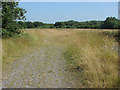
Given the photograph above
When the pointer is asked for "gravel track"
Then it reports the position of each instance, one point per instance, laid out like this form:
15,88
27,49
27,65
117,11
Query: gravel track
45,67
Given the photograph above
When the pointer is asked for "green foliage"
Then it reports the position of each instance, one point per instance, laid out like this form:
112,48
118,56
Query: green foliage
111,23
10,14
35,25
29,25
13,20
76,24
22,25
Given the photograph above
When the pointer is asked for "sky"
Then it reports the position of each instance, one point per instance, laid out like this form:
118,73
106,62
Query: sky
51,12
69,0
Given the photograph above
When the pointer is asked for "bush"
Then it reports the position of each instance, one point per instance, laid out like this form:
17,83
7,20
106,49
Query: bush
6,33
10,14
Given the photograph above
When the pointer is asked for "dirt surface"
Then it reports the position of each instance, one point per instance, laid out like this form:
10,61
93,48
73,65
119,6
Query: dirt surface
45,67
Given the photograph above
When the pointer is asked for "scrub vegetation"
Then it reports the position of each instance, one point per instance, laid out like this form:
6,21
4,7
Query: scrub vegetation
72,53
91,56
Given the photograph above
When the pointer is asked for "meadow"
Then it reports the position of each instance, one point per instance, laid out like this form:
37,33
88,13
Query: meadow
91,55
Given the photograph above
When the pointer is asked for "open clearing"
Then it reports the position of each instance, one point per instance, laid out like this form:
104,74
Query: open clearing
60,59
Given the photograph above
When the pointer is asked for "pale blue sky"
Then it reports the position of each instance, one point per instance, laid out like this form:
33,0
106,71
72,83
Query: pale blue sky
51,12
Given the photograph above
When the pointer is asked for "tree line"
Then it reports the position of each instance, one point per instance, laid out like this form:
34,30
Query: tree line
13,20
109,23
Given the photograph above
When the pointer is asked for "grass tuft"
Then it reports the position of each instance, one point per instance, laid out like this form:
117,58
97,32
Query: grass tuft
93,54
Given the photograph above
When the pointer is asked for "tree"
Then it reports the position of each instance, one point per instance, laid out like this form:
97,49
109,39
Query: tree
22,24
11,13
59,24
111,23
37,24
30,24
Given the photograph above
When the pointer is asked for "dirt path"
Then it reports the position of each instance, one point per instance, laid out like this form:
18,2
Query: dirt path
43,68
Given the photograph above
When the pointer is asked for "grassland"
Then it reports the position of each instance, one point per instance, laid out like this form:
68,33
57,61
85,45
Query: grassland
90,55
14,48
94,55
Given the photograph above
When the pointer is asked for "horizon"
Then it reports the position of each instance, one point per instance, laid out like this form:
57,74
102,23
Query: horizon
51,12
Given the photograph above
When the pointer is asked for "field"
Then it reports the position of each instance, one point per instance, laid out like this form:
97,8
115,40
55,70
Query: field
61,58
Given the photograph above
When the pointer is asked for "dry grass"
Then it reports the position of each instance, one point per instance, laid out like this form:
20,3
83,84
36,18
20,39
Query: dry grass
15,48
88,51
93,53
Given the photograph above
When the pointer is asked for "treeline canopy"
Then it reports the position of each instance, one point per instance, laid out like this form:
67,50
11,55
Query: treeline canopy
34,25
109,23
13,20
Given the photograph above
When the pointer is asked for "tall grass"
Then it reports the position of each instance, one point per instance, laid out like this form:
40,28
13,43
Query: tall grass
14,48
92,54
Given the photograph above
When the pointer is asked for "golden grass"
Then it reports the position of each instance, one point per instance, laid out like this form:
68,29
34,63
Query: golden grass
94,53
15,48
88,50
